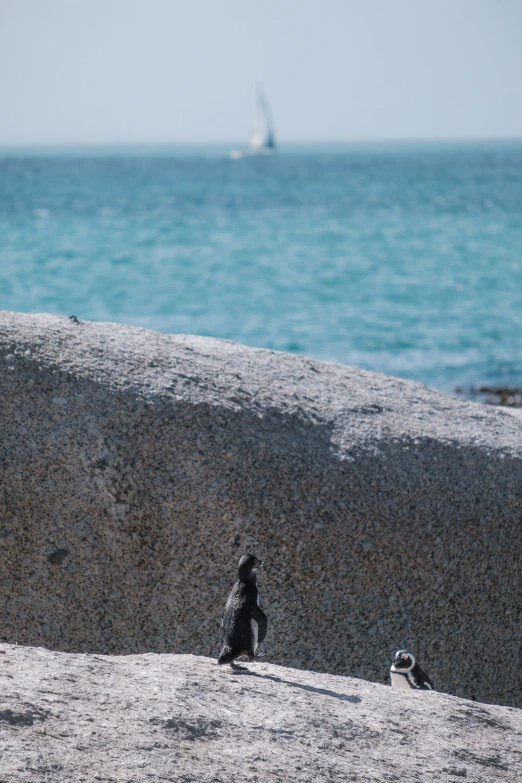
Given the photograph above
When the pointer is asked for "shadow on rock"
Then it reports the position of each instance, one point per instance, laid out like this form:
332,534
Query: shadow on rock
321,691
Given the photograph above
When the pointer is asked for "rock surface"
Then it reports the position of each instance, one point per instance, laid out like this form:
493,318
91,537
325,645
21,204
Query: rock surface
73,718
135,468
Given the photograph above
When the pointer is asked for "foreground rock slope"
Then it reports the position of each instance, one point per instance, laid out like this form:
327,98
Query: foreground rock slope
135,468
82,718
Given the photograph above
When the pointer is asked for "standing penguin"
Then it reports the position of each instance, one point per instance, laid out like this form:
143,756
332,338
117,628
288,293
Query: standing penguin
405,672
244,623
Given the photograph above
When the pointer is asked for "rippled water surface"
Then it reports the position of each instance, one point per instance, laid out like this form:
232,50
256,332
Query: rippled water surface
401,259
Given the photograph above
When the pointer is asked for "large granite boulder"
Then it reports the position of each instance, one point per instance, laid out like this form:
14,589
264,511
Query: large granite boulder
136,467
178,718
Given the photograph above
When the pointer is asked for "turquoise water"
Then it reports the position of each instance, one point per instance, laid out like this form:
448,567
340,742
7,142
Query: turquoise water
405,259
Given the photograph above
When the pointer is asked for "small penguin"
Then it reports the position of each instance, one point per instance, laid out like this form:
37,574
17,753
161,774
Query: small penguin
405,672
244,623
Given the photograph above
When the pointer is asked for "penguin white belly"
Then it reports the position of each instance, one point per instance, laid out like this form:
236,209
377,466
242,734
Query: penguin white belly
253,626
400,681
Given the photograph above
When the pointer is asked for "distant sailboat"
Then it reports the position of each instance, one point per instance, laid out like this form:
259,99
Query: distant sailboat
262,138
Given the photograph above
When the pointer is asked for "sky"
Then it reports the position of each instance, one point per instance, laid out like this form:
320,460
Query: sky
177,71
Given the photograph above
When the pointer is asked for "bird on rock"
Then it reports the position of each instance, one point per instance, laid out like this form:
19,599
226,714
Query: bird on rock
406,673
244,623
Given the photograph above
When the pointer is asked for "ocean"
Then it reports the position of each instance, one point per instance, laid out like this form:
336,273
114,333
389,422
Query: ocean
401,258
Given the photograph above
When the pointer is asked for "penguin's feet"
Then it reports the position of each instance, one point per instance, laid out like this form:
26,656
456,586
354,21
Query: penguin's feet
236,668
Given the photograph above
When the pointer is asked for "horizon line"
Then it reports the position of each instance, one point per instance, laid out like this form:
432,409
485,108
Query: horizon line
238,144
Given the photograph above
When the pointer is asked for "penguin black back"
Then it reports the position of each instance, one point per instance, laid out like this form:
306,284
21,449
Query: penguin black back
244,623
406,673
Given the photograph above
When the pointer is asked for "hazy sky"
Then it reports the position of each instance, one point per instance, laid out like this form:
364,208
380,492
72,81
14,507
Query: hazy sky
110,71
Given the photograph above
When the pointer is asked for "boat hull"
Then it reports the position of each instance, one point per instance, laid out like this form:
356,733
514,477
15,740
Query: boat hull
251,152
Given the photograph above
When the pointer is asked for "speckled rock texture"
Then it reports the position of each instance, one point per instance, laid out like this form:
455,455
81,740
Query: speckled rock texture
137,467
153,718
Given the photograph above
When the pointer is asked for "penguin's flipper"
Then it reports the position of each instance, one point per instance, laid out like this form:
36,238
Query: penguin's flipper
262,623
427,685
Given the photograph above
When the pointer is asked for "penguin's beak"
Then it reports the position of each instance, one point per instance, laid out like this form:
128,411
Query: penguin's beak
259,564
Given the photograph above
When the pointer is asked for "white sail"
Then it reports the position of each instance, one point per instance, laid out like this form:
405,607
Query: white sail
269,140
262,138
257,137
